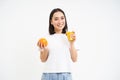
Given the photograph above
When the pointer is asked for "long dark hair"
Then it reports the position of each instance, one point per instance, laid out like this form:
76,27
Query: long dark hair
51,27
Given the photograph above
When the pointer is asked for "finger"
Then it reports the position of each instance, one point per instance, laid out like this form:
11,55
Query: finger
74,37
41,45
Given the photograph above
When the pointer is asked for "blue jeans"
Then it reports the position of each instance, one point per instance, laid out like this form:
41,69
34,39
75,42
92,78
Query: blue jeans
56,76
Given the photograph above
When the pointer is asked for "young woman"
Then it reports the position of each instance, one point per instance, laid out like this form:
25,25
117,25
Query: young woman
60,52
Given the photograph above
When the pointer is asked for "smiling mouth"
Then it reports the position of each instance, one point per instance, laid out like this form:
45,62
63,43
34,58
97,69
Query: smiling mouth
60,25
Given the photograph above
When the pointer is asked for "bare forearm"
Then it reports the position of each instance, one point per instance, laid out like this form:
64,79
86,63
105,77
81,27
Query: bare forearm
44,55
73,52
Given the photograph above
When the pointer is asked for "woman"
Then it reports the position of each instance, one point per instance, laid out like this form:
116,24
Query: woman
60,52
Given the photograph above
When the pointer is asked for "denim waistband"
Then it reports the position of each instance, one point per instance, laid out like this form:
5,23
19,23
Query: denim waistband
57,76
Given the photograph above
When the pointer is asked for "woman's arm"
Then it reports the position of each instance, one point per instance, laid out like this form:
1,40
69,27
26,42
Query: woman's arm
44,54
73,52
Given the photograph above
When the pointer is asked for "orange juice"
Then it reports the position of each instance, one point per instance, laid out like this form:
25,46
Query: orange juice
69,33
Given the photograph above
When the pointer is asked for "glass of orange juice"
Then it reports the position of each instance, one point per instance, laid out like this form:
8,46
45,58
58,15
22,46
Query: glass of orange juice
69,33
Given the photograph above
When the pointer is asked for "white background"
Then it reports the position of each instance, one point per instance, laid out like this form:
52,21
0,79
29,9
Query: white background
97,26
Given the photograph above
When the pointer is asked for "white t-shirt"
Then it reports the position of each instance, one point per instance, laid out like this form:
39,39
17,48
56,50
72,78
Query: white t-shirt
59,59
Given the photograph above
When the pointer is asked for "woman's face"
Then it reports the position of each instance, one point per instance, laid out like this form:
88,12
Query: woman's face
58,21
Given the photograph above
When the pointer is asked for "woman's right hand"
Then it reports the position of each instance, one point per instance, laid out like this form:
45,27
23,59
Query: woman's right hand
40,45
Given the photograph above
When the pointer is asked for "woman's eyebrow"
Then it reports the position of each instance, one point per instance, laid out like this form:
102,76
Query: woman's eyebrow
58,17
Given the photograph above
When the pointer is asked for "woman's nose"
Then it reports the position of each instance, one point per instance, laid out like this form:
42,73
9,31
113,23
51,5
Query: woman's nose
59,20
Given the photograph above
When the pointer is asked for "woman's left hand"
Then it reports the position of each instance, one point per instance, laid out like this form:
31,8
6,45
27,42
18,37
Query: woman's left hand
73,36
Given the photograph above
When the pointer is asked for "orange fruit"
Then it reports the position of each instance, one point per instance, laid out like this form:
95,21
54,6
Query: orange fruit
43,41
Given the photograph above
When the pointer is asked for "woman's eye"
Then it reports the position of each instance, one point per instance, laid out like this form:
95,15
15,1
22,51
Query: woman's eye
59,18
62,18
55,19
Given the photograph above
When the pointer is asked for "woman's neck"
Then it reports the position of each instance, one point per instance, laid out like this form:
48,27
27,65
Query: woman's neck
58,32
